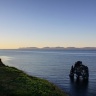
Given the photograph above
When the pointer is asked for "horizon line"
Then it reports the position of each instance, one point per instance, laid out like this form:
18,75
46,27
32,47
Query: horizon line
50,48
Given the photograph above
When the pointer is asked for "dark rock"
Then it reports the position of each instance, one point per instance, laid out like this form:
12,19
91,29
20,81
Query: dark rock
1,63
79,70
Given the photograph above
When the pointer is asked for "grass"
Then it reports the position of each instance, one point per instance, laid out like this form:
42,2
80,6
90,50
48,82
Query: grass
14,82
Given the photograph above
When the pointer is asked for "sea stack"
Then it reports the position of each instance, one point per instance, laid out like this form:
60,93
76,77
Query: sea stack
79,70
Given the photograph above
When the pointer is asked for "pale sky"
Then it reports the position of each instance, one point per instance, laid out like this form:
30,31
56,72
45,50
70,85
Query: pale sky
41,23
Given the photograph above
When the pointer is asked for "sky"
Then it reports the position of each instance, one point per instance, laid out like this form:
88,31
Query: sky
47,23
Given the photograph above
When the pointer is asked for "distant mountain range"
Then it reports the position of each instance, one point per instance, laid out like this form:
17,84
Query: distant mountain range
57,48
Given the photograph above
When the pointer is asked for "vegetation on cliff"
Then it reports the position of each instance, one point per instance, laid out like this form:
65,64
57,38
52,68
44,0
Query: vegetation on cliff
14,82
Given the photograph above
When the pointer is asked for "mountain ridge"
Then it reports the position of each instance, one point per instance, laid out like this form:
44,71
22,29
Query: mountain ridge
58,48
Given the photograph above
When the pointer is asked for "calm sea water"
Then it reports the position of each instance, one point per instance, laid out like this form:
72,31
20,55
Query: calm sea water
55,66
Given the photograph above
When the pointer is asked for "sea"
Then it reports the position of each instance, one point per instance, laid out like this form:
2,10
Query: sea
54,66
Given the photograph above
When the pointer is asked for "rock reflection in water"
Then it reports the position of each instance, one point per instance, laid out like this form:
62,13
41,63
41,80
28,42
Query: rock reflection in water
78,87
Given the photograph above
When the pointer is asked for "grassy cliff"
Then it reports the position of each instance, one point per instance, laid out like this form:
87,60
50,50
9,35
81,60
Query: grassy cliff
14,82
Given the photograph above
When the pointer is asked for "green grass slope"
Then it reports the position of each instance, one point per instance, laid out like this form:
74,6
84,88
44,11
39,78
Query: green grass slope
14,82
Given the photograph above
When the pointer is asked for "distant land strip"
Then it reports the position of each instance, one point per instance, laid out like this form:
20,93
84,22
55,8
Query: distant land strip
57,48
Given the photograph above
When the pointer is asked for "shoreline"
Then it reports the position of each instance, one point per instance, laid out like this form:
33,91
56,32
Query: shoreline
15,82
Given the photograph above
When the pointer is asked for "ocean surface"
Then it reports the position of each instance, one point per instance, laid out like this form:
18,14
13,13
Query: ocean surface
55,67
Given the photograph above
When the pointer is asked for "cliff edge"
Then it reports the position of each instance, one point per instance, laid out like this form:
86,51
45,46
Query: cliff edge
14,82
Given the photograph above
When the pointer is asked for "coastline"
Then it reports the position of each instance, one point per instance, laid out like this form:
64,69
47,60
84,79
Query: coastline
14,82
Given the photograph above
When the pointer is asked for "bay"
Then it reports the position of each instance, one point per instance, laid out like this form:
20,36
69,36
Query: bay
55,66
